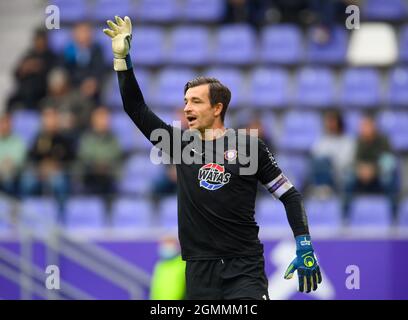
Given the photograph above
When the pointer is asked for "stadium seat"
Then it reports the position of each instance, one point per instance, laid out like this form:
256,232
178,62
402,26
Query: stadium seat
360,88
281,44
385,10
270,212
234,80
295,167
168,212
370,211
403,44
403,213
158,11
170,85
269,88
39,214
202,10
59,38
324,212
300,130
148,45
394,124
189,45
131,213
316,88
103,10
352,121
5,215
85,213
235,44
71,11
332,52
397,93
26,124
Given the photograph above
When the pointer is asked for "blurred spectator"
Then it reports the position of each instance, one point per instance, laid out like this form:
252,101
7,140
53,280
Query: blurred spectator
168,279
84,60
165,183
256,123
245,11
31,73
99,155
332,155
374,165
12,157
73,107
51,157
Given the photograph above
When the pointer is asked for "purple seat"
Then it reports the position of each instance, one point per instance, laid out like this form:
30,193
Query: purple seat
235,44
300,131
397,94
269,88
324,213
394,124
170,84
295,167
161,11
370,211
316,88
71,11
168,212
270,212
26,124
203,10
131,213
85,213
234,80
332,52
281,44
103,10
148,45
403,44
189,45
385,9
360,88
58,39
403,213
39,214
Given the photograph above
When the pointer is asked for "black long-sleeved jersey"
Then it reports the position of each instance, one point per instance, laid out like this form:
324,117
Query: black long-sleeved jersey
216,203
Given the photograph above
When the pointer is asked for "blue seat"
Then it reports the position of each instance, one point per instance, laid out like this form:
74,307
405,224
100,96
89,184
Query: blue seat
168,212
360,88
71,11
403,44
170,84
85,213
295,167
189,45
59,38
203,10
394,124
270,212
148,46
39,214
370,211
316,88
234,80
26,124
281,44
159,11
324,213
397,94
385,9
300,130
235,44
332,52
403,213
131,213
269,88
103,10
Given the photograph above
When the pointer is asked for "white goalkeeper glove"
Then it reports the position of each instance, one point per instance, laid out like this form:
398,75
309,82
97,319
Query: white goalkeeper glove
121,34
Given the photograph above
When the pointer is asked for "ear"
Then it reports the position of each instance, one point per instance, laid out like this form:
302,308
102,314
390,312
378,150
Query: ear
218,109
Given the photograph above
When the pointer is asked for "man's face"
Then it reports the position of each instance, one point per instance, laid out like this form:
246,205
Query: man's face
198,111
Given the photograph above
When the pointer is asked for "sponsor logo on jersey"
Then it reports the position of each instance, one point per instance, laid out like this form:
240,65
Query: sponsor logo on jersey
230,155
212,176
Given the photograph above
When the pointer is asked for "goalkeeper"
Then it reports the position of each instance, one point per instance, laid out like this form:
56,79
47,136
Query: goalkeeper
216,204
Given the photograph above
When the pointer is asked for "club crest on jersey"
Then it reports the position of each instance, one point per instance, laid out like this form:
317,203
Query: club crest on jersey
212,176
230,155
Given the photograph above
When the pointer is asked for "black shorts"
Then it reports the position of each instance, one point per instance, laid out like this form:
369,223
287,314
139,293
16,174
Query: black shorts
227,279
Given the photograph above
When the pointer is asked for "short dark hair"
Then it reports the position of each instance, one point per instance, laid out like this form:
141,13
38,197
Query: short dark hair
217,91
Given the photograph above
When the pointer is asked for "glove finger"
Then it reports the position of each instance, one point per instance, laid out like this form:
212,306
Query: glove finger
314,280
128,24
109,32
301,277
112,25
290,271
119,21
318,275
308,283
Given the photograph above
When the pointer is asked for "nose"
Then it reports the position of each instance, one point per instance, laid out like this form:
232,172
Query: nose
187,107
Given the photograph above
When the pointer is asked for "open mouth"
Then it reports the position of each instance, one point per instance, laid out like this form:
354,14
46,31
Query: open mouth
191,119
